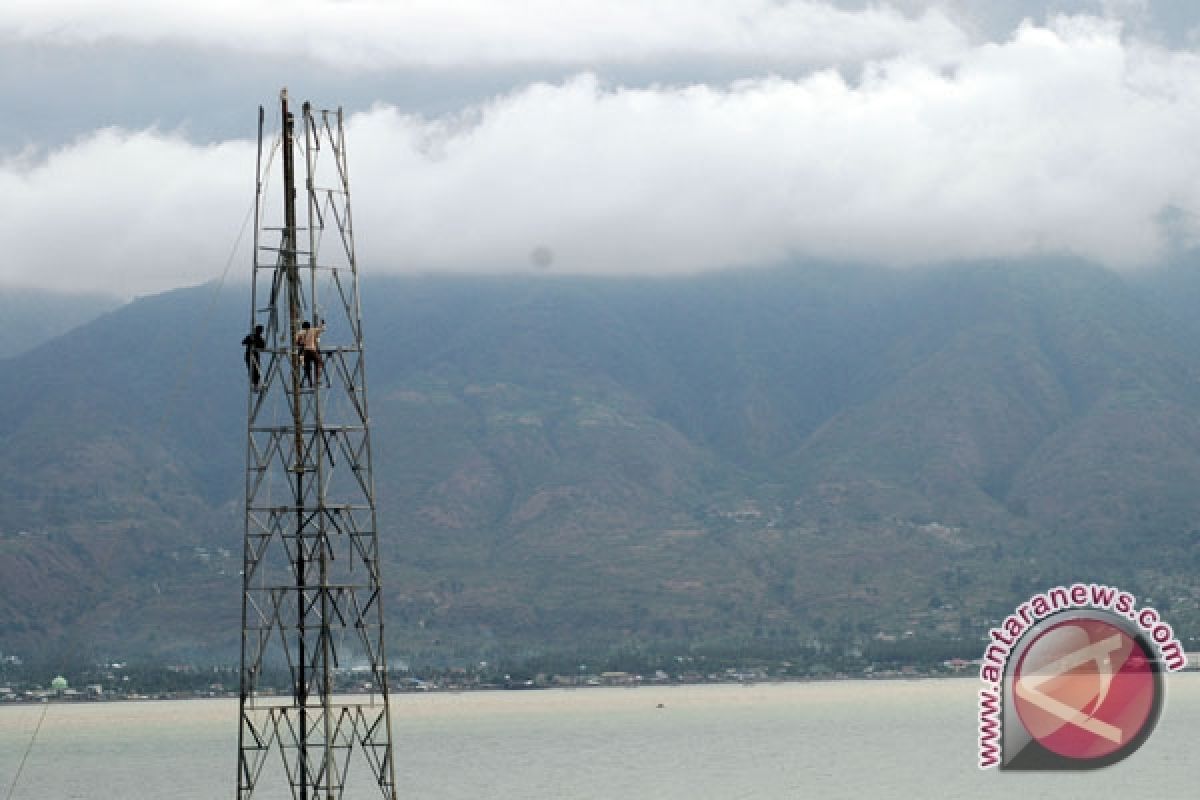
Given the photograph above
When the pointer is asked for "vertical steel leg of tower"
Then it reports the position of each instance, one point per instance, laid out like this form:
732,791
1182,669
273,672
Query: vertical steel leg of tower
314,679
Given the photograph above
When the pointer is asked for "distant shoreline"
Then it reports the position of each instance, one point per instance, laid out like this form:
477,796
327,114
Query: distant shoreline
492,688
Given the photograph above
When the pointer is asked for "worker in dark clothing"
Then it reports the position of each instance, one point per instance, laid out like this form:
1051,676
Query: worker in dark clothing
308,339
254,344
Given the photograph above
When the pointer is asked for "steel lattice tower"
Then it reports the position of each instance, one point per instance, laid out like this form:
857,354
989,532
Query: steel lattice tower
311,599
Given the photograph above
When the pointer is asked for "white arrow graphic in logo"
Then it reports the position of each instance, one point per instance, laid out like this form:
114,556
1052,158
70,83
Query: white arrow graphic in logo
1029,686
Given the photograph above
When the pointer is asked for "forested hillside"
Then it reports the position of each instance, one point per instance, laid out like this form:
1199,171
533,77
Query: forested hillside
581,463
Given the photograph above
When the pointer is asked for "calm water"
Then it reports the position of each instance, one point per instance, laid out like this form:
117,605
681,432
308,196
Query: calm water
826,740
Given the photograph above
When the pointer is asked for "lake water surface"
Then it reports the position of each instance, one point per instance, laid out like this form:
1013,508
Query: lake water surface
851,739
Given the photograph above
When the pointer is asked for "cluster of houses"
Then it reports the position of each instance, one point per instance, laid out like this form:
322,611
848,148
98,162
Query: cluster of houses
59,690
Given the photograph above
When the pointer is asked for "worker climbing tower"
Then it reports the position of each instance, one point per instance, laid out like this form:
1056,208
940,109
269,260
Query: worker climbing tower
314,680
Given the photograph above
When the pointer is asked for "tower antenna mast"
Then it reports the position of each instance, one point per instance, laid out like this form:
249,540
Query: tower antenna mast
312,601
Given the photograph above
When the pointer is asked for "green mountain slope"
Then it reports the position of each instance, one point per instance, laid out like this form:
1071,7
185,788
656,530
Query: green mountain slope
579,463
34,316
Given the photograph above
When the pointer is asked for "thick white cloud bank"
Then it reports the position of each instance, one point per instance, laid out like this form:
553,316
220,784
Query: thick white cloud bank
1062,140
123,212
378,34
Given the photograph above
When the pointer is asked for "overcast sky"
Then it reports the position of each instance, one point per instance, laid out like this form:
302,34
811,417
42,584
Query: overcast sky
607,137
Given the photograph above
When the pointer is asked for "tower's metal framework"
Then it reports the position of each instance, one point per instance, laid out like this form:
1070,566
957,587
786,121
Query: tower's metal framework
314,679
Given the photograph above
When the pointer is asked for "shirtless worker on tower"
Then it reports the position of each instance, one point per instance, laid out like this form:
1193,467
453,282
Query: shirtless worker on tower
308,339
